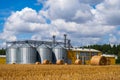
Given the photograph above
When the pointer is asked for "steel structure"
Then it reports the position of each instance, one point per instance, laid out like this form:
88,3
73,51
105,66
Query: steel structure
33,42
31,51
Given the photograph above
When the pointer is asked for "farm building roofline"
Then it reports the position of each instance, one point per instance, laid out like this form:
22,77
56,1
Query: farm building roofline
84,50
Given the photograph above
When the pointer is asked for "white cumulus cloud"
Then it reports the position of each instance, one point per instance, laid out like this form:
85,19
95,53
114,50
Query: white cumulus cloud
77,18
68,10
109,11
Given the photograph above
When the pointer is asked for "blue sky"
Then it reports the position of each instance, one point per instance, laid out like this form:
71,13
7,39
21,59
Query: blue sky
7,6
85,21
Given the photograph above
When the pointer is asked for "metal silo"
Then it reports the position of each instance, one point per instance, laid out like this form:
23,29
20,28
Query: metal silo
27,54
45,53
11,54
60,53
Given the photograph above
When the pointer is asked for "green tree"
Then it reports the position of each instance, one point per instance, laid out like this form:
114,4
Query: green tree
2,51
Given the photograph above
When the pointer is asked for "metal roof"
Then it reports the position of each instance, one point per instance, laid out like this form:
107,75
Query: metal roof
2,55
108,55
84,50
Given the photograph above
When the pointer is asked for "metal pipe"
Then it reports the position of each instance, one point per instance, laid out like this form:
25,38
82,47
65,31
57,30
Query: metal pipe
65,40
69,44
53,40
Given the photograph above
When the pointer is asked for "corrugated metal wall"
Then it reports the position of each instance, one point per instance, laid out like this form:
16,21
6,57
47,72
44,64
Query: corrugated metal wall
27,54
60,53
45,53
11,54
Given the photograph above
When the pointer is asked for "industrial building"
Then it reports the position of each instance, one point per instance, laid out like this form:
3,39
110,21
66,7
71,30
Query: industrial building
83,54
46,52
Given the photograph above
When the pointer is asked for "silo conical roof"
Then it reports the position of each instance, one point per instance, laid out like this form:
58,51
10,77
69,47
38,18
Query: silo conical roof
13,46
25,45
44,46
59,46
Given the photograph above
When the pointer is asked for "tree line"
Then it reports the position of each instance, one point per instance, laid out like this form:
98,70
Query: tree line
106,48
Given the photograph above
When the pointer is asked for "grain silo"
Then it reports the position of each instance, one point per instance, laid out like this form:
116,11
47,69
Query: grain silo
27,54
45,53
60,53
11,54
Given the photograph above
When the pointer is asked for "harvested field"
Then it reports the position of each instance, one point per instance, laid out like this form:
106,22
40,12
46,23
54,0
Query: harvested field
59,72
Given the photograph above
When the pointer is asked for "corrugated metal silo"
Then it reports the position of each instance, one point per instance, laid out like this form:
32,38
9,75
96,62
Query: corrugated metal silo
11,54
27,54
60,53
45,53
